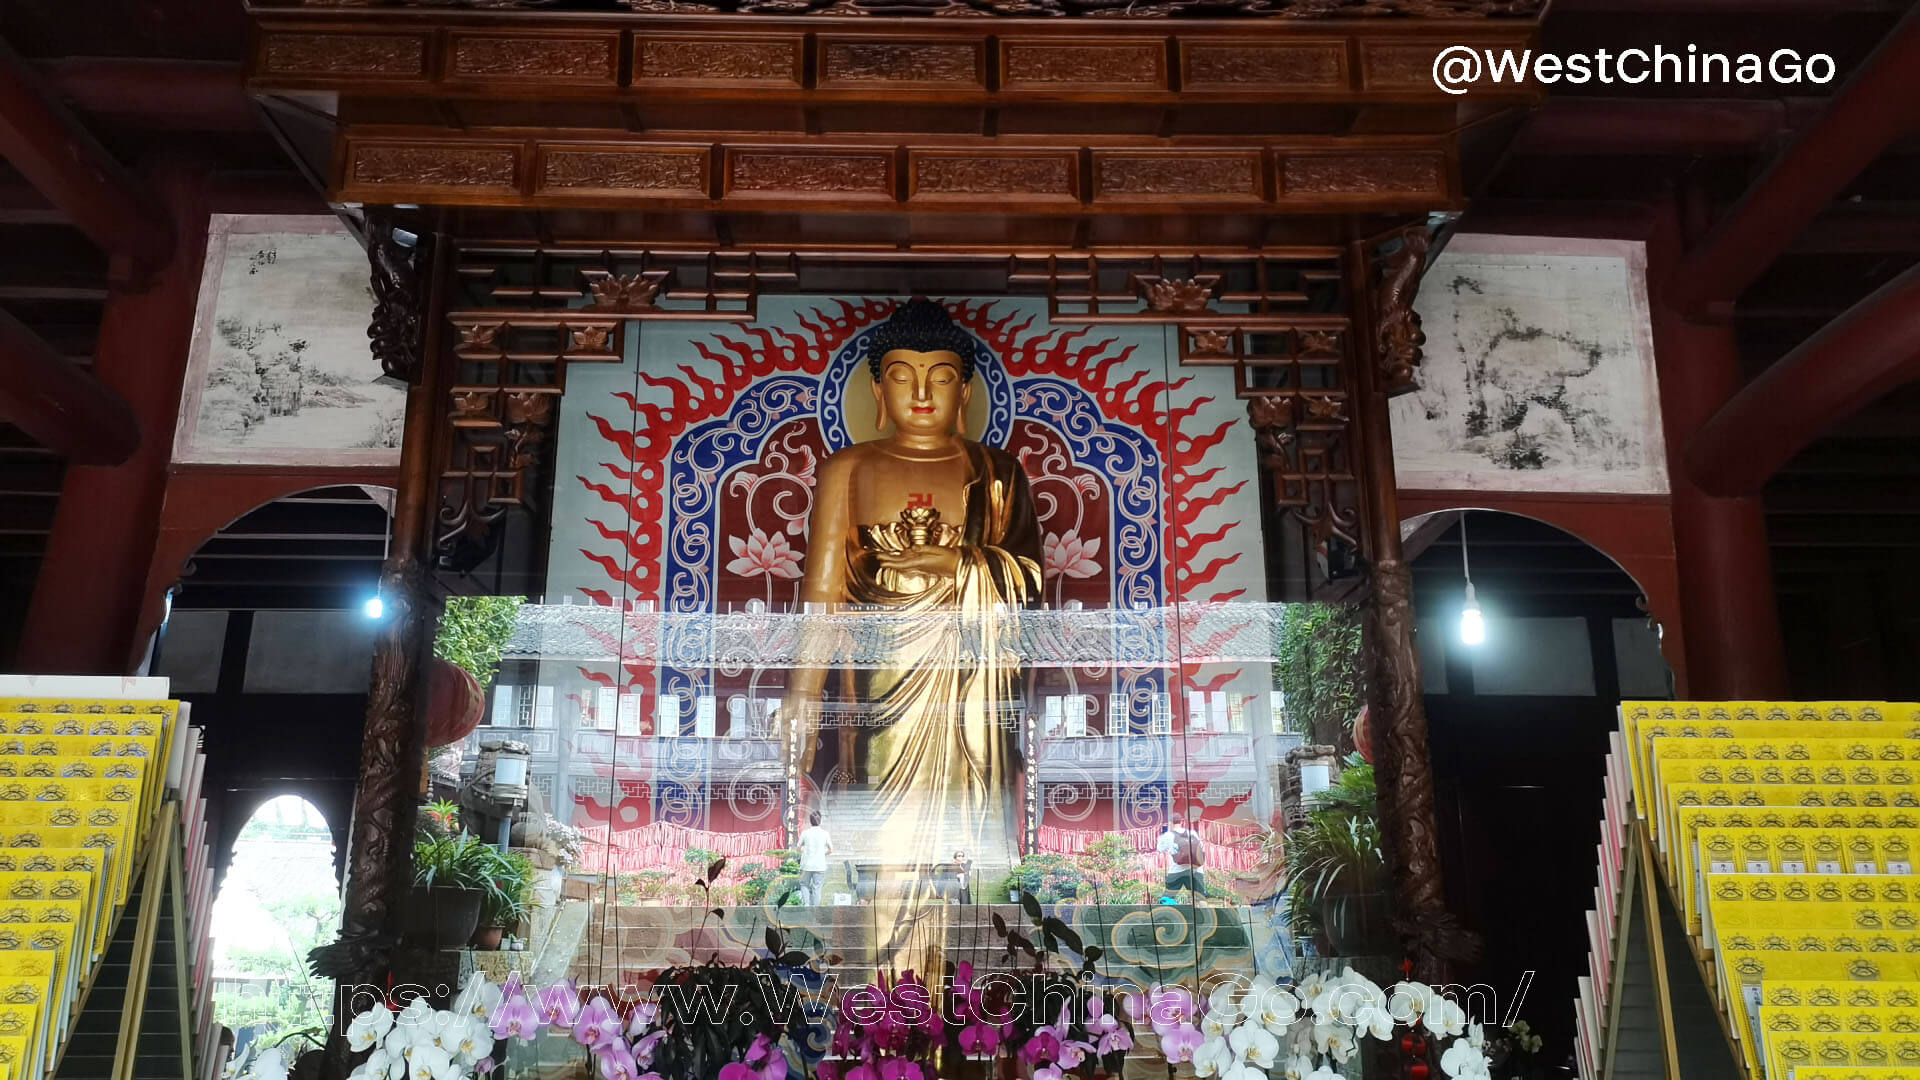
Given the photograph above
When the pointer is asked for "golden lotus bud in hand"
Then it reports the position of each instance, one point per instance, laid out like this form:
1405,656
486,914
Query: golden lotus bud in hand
920,522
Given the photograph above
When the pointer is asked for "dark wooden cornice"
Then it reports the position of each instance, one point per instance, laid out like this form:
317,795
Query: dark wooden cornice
1301,10
835,128
531,56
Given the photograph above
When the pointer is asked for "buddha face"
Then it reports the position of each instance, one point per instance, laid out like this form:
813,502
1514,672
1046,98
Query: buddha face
921,392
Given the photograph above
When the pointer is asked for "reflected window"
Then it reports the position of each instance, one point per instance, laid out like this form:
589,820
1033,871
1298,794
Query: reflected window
1162,721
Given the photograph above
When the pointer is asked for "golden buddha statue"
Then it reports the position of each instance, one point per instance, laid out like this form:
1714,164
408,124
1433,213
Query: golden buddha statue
923,521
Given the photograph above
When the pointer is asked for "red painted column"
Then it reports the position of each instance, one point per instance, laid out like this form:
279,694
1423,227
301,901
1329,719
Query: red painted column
86,603
1727,599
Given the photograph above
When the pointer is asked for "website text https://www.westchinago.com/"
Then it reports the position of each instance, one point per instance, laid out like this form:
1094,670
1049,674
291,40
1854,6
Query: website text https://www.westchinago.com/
1459,68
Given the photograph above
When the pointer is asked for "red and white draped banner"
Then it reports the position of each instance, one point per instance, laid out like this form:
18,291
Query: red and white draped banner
1229,845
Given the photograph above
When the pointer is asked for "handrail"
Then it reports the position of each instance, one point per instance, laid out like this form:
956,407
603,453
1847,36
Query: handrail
160,854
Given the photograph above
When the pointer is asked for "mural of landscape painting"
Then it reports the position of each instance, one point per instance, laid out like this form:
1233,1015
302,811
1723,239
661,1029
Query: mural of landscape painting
281,369
1538,373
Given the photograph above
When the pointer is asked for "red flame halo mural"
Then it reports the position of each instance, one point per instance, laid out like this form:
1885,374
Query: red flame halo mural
684,483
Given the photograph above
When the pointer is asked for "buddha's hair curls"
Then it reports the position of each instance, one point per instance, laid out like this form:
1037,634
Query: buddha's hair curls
920,325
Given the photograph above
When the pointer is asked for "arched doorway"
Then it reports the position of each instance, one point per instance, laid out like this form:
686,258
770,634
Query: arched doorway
1519,726
269,640
279,899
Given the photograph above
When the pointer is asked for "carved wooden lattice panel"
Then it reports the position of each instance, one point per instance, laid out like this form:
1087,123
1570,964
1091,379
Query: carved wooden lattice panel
521,316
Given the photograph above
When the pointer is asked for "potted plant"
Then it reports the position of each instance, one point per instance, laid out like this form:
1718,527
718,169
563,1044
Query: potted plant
473,632
508,896
1338,891
448,888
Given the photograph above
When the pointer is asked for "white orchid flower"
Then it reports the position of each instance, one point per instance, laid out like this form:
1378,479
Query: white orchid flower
1464,1062
1298,1067
416,1013
1375,1021
1325,1072
1213,1058
382,1064
1228,1001
1445,1018
369,1027
432,1063
1279,1008
1217,1022
1409,1001
1244,1070
472,1041
1256,1044
478,998
1336,1040
1476,1036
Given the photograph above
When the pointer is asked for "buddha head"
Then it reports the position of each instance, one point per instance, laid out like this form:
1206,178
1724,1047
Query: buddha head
922,364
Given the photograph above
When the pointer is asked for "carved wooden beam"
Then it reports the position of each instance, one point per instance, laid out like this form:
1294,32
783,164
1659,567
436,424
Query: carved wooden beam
160,95
1847,365
1103,9
783,55
41,139
1868,114
62,407
1068,175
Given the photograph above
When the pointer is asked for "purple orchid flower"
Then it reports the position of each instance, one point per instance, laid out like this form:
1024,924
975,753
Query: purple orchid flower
597,1025
1179,1042
644,1014
643,1049
559,1004
1106,1029
515,1017
616,1061
765,1060
978,1038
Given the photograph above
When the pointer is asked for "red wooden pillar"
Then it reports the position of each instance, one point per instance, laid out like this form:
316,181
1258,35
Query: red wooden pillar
86,603
1727,599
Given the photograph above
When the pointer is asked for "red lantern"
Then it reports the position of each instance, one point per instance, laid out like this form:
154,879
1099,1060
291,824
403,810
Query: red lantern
1363,734
455,703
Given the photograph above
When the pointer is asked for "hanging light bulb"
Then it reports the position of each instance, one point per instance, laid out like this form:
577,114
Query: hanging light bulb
1473,625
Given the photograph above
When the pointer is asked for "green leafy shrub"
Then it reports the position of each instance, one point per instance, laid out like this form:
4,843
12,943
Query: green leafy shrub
1337,851
1320,671
473,632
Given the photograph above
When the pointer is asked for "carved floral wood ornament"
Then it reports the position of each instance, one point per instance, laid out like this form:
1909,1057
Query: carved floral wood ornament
398,261
1397,334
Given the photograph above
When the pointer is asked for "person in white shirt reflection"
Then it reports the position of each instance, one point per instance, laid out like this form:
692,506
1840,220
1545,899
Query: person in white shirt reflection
815,845
1185,853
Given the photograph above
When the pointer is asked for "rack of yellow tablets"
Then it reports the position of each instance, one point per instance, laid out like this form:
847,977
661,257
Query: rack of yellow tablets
81,780
1786,834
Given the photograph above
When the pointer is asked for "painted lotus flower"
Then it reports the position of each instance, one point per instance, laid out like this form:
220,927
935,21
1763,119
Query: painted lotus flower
1066,555
759,555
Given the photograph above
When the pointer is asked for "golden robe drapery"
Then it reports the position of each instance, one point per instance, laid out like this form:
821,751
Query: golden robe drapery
944,757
